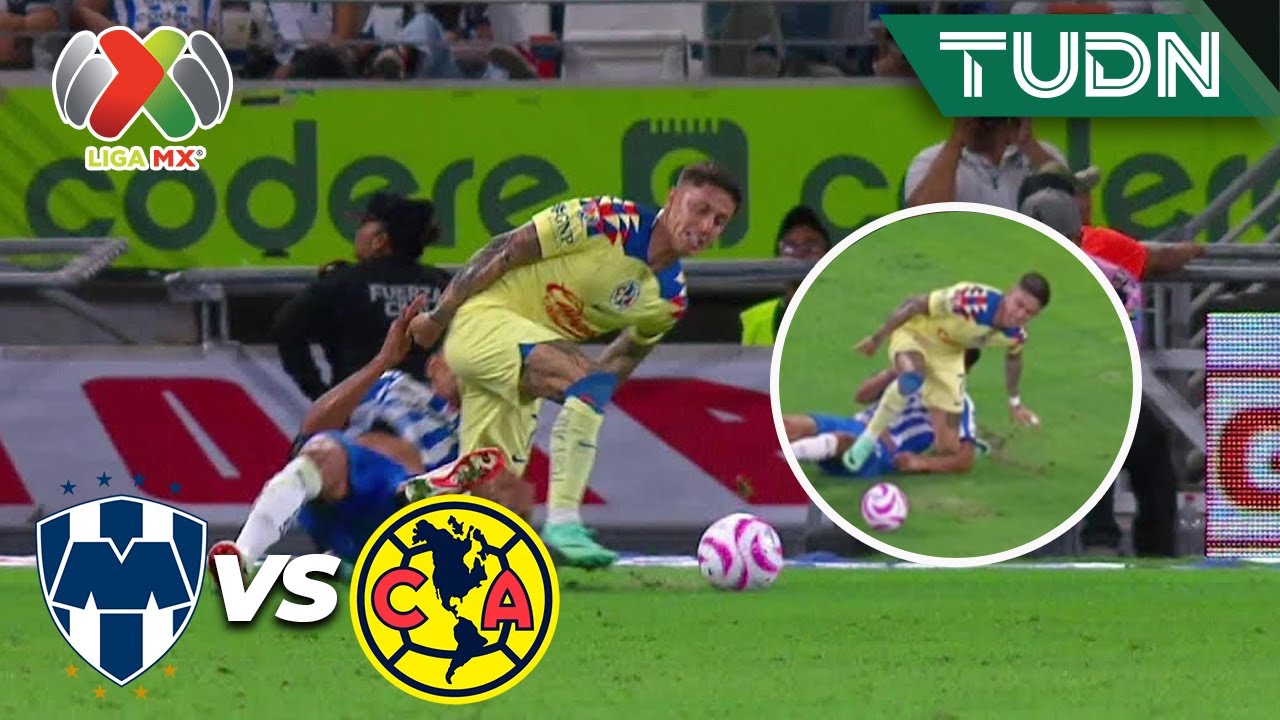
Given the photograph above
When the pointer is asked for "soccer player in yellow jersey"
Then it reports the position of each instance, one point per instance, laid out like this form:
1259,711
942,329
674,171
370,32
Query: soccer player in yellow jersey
928,335
518,310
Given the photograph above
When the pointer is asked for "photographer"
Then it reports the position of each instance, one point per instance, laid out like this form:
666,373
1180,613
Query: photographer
985,160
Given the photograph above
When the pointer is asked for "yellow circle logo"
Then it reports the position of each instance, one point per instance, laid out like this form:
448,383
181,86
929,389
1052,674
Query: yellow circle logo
454,599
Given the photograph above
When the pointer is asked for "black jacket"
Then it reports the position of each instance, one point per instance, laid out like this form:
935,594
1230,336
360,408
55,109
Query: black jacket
347,312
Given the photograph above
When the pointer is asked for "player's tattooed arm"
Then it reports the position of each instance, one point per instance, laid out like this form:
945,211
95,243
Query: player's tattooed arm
622,356
504,252
911,307
1012,373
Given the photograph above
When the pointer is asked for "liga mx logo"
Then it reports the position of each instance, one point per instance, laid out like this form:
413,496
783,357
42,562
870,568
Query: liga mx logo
181,83
120,577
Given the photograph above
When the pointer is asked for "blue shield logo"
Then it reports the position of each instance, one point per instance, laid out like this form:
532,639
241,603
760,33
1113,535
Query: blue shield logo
121,577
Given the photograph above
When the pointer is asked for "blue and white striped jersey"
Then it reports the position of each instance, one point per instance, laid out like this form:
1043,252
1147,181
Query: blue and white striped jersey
912,432
404,407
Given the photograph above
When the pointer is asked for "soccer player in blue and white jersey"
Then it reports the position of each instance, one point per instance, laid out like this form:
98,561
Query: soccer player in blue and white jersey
905,446
373,443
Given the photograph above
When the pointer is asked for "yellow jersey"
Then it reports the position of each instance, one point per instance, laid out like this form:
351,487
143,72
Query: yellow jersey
962,317
594,275
760,321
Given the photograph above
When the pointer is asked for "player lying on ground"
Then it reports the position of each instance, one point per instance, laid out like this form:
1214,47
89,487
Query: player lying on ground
928,335
904,446
373,443
519,309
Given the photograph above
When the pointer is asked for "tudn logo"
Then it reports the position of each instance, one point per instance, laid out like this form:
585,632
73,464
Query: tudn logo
1172,56
179,82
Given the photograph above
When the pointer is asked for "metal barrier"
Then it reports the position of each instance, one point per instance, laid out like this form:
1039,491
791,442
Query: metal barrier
210,288
1173,365
91,256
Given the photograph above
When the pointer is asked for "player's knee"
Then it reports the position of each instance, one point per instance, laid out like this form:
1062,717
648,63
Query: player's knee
844,441
909,383
595,388
798,426
909,361
330,459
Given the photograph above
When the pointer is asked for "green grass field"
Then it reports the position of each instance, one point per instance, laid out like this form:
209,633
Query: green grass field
646,643
1077,377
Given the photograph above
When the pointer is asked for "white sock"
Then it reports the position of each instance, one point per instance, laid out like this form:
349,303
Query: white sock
818,447
276,506
559,516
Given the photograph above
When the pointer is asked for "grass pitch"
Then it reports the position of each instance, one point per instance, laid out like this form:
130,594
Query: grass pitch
659,643
1076,376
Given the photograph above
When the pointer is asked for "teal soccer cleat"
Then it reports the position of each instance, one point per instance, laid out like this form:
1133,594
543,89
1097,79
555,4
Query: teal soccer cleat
576,547
862,450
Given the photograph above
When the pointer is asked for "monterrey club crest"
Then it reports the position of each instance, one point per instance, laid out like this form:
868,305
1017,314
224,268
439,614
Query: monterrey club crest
120,577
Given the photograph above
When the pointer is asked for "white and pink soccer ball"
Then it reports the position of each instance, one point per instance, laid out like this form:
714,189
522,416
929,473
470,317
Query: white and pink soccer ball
884,507
740,552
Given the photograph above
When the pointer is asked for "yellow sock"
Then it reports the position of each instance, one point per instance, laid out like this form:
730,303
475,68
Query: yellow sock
573,453
892,403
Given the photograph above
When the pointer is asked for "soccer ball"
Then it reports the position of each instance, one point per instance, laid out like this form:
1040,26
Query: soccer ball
740,552
884,507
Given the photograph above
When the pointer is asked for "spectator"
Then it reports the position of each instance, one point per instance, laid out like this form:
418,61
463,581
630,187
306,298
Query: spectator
145,16
479,52
1053,197
348,309
1146,261
18,17
985,160
801,237
304,40
887,58
420,49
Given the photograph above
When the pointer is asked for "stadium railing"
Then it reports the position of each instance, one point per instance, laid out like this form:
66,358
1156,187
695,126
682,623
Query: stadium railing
210,288
1173,364
88,258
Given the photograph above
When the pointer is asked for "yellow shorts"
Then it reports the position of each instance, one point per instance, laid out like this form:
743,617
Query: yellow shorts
944,375
483,348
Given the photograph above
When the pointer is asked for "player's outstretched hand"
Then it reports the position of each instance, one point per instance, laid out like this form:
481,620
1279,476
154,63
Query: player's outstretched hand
1025,417
867,346
397,342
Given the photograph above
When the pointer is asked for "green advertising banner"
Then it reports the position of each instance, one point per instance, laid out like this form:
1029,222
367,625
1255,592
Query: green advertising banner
284,173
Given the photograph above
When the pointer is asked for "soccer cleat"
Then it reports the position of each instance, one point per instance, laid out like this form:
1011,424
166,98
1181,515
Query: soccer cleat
575,545
460,476
857,456
226,547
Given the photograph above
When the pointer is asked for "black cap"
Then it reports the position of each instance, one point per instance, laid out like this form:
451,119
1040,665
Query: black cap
409,223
